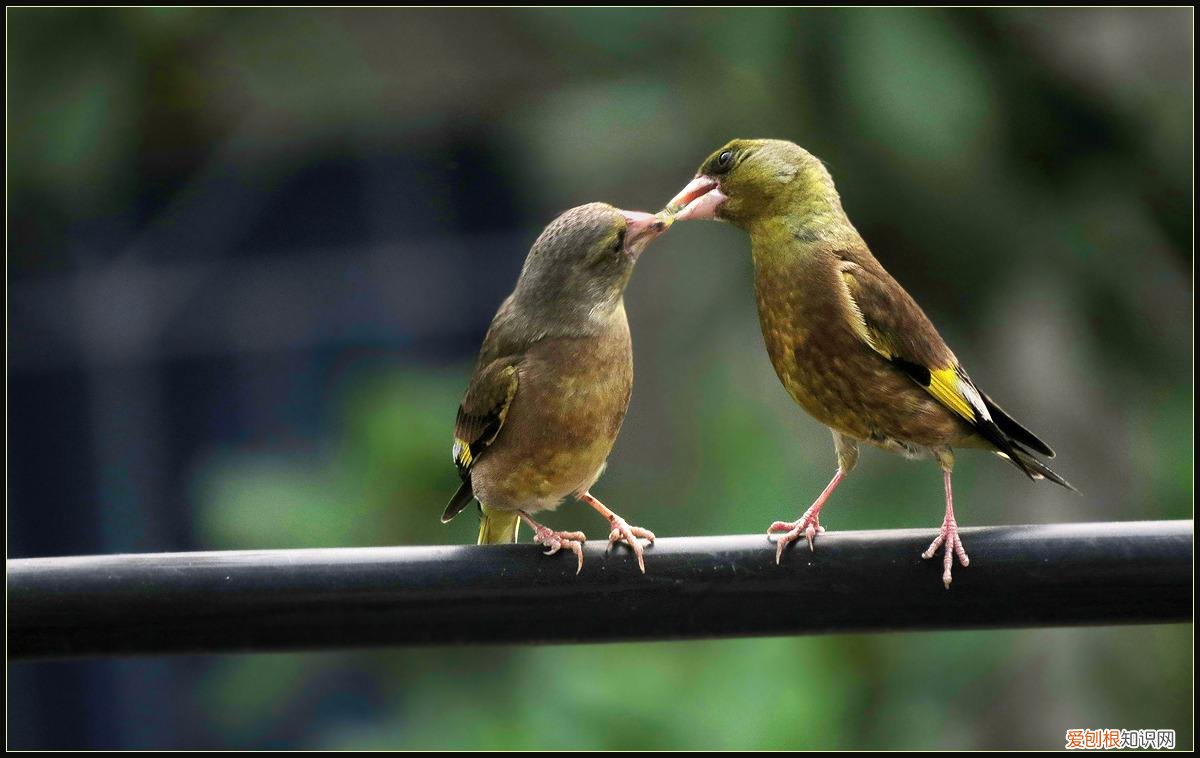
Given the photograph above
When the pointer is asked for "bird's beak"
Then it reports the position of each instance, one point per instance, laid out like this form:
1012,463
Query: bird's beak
641,229
701,198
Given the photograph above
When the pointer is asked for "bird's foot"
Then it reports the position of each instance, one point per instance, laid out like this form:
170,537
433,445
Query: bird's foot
807,526
556,541
948,536
623,532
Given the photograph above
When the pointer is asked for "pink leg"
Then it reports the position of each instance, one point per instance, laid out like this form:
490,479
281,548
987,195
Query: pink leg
948,535
555,541
809,524
621,531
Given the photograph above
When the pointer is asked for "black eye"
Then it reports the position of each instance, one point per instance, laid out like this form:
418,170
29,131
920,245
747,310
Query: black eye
620,240
724,159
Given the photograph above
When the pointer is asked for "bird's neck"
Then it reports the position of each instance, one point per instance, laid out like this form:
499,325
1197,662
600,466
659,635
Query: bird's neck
569,316
792,235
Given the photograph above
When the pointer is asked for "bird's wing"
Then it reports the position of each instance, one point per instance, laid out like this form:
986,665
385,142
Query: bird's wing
483,410
485,405
888,320
893,325
480,416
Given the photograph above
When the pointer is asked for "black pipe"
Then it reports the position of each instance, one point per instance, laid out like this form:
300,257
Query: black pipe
1063,574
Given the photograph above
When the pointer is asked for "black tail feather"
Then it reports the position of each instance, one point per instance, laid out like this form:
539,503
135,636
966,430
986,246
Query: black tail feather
461,500
1013,430
1014,447
1033,468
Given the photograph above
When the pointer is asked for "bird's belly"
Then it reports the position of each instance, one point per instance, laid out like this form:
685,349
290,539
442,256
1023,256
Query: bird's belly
563,424
848,387
534,476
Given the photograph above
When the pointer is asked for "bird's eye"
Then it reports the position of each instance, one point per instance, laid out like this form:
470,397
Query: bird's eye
724,159
620,243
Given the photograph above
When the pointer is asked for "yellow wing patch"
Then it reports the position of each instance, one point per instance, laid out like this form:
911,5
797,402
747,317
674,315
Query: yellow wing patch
957,393
461,454
943,384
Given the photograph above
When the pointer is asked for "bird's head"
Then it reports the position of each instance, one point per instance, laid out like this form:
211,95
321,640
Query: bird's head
748,180
587,254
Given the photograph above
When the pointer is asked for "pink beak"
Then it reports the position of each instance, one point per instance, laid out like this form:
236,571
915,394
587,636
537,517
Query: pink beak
701,198
640,230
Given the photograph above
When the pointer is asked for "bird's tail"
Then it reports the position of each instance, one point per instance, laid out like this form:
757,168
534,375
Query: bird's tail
461,500
497,527
1032,467
1014,443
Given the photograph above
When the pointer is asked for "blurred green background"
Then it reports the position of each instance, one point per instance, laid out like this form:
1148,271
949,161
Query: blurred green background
252,254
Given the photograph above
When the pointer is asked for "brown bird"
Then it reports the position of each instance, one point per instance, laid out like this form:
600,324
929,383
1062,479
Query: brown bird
553,380
848,343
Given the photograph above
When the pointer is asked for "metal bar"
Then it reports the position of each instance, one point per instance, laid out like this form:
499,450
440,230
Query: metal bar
1020,576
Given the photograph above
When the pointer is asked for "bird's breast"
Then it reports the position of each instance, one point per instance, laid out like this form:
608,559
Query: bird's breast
570,403
831,373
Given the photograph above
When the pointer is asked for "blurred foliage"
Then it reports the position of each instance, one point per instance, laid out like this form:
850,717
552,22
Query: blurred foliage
1026,173
390,452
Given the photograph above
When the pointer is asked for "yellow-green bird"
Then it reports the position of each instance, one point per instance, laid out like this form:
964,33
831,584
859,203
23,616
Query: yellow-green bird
553,381
848,343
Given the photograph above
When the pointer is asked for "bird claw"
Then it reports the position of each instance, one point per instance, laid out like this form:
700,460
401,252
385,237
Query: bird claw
623,532
948,536
808,526
555,541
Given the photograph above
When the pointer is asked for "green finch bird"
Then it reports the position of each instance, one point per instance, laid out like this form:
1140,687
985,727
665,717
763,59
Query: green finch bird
848,343
553,381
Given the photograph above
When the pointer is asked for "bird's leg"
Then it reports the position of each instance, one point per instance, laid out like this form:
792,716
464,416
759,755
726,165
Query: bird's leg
555,541
948,535
809,524
621,531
